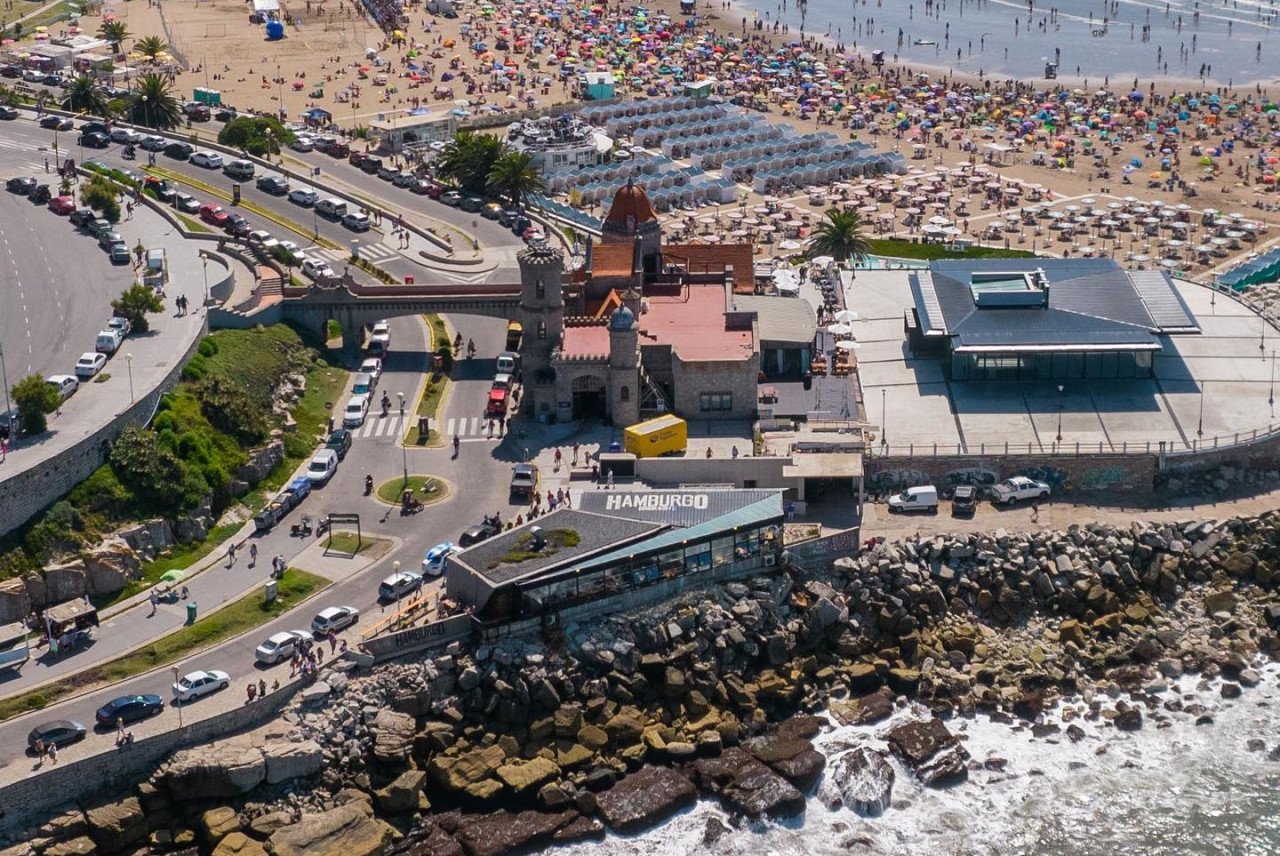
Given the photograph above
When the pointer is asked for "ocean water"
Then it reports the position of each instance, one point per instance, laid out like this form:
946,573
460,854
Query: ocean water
1234,41
1186,790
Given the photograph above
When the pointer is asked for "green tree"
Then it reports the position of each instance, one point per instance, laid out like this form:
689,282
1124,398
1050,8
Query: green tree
115,32
153,472
231,409
35,398
468,158
153,105
151,47
257,135
84,95
135,302
514,175
12,97
101,195
840,236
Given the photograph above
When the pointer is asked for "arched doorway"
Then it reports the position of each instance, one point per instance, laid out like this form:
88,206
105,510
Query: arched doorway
588,397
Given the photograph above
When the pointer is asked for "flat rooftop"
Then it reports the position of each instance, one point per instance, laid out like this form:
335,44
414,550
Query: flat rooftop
1221,375
585,342
693,323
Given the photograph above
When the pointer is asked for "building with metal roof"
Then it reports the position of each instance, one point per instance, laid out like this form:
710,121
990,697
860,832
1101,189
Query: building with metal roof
1044,319
615,548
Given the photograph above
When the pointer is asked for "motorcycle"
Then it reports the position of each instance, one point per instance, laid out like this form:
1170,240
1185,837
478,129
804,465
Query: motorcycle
128,153
322,526
368,485
302,529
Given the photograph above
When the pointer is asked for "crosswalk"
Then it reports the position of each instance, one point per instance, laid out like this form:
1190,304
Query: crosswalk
473,428
391,428
371,252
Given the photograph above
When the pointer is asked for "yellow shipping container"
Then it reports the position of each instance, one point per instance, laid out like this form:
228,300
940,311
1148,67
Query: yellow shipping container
662,435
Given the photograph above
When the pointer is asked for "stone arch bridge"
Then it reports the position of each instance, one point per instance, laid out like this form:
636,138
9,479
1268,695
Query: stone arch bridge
353,305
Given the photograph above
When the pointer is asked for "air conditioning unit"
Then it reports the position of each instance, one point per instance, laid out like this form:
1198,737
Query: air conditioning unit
770,560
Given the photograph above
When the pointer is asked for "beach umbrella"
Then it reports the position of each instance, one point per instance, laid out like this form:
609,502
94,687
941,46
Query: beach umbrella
172,576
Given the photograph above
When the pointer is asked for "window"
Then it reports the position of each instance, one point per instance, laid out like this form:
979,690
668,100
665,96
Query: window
722,550
540,289
716,400
626,393
542,329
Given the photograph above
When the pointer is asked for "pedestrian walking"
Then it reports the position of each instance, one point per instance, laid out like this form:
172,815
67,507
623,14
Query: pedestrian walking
568,502
253,555
119,726
155,601
333,641
575,454
231,554
609,486
1035,511
735,453
262,688
53,753
40,751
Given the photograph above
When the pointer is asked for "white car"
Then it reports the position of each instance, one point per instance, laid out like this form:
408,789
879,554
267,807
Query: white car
263,239
382,329
302,144
373,368
357,221
89,364
303,196
154,143
127,136
316,268
399,584
64,383
192,686
186,203
116,322
208,160
433,562
1013,489
356,410
322,467
280,646
334,618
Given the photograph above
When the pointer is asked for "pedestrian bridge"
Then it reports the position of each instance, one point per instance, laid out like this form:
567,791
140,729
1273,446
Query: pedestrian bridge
354,305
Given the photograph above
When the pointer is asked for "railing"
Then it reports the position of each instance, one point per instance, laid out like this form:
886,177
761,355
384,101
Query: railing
1170,448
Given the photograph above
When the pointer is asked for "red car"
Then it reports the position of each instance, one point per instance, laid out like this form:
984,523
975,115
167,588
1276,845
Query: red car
214,214
63,205
497,405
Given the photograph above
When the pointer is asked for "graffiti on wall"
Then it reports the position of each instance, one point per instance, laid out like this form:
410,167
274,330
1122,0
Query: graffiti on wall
1103,477
976,476
897,478
1052,476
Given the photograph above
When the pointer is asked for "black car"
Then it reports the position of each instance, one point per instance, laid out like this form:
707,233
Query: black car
52,80
59,732
11,71
180,151
371,165
964,500
225,115
340,442
40,194
21,186
476,534
273,184
56,123
94,128
237,226
95,140
7,112
82,217
130,708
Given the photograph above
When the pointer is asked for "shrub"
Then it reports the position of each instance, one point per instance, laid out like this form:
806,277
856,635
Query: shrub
195,369
230,409
135,302
208,346
35,398
154,473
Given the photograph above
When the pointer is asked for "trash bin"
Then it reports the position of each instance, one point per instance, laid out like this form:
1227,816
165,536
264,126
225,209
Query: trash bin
269,591
191,612
408,279
615,446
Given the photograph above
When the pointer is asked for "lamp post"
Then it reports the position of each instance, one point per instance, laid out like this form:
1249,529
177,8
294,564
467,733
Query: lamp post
204,264
1200,423
280,91
176,703
146,111
1061,406
8,408
884,419
1271,399
404,450
1262,342
128,358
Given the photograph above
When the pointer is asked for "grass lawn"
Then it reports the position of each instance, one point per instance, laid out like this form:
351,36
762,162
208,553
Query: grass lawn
235,618
428,489
433,392
931,252
348,542
193,225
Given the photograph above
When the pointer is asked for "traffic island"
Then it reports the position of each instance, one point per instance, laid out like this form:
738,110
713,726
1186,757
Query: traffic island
423,489
348,545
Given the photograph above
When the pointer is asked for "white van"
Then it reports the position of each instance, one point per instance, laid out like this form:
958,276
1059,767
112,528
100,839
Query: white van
322,467
923,498
108,341
508,362
334,209
239,169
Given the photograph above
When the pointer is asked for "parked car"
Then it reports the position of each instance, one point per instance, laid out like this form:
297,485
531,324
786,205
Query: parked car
94,140
280,646
370,164
324,464
316,268
476,534
56,732
356,410
302,144
357,221
89,364
524,479
82,217
388,173
65,384
208,160
225,115
236,225
179,151
21,185
405,179
491,211
452,198
129,708
433,561
93,126
339,441
964,500
372,366
240,169
276,185
214,214
7,112
186,203
923,498
118,254
128,136
399,584
62,205
471,204
159,187
117,322
154,143
334,618
190,687
1011,490
304,196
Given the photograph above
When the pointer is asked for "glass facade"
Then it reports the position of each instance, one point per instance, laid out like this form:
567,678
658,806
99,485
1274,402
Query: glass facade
571,586
1058,365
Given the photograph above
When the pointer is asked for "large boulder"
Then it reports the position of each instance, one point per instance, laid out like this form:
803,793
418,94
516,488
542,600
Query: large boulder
405,794
15,601
239,844
61,583
215,771
645,798
860,780
865,710
528,777
288,761
747,785
503,833
930,750
109,567
348,830
149,538
470,773
218,823
393,738
118,826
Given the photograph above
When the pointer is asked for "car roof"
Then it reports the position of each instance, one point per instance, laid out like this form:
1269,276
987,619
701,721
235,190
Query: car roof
440,548
55,725
330,611
358,397
282,636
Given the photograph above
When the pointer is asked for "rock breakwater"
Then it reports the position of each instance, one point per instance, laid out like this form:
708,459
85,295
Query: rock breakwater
618,725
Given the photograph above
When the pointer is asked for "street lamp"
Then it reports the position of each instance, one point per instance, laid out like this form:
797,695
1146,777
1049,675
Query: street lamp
1200,424
146,111
128,358
204,263
280,91
177,703
1061,407
884,418
8,408
1271,399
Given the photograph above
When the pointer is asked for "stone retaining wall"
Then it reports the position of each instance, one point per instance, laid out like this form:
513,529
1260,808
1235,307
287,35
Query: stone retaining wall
1064,474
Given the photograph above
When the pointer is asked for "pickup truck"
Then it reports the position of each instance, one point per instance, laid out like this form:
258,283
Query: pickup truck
524,481
1013,489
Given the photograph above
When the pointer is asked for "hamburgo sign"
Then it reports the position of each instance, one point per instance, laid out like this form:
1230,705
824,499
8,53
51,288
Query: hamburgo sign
656,501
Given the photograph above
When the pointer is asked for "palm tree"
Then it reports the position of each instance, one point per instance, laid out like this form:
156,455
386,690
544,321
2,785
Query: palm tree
151,47
468,158
85,95
153,105
515,175
115,32
839,236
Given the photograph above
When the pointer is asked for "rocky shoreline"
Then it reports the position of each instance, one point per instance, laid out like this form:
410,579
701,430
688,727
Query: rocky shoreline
617,726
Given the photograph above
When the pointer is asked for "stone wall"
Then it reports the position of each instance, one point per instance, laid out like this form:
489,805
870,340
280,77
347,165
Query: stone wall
738,377
27,492
33,799
1261,455
1064,473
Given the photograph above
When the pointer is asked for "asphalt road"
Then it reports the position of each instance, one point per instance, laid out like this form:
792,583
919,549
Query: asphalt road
58,285
478,481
